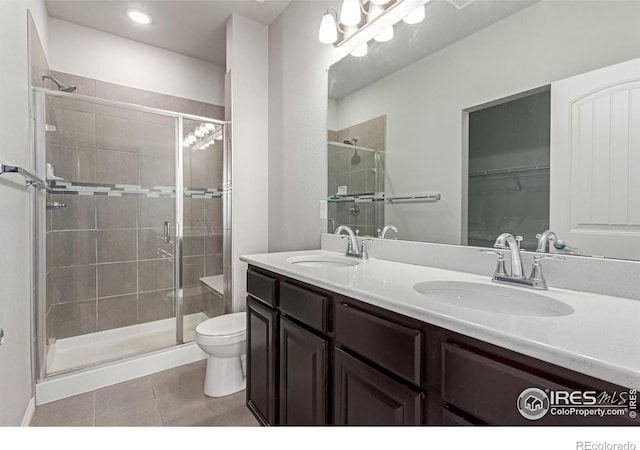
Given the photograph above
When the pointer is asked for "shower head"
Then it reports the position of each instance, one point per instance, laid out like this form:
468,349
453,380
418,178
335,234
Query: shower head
353,141
61,86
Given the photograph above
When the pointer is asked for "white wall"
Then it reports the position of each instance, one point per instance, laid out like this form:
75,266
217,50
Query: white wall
298,90
544,43
15,310
247,63
91,53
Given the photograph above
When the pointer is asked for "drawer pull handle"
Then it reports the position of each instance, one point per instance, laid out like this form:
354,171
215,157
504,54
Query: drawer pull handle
346,305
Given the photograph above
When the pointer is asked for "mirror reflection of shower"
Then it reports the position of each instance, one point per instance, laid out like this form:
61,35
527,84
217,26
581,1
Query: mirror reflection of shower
355,159
356,170
61,86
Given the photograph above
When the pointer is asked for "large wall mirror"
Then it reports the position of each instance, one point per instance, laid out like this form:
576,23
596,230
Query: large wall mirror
501,116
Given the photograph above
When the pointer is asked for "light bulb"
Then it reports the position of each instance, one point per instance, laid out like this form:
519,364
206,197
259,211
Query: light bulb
328,29
415,16
385,35
199,134
360,51
203,129
210,126
350,13
138,16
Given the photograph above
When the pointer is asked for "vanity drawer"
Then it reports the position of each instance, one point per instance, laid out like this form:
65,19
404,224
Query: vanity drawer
485,388
262,287
489,390
307,306
393,346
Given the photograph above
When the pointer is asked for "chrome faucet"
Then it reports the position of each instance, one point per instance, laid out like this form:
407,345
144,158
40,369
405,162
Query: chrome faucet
506,241
545,240
548,242
353,248
383,233
536,280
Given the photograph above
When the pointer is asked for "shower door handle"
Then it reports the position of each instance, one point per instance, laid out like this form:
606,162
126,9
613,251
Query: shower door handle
167,237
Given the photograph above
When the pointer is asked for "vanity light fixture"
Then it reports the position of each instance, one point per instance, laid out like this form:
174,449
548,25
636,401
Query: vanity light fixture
354,16
385,35
360,51
203,136
139,16
350,12
415,16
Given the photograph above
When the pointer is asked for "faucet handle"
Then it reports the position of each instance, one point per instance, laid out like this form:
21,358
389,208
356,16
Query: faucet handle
501,267
364,255
519,240
538,258
536,270
492,252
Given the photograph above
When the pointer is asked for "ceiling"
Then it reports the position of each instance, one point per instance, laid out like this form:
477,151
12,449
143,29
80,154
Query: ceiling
194,28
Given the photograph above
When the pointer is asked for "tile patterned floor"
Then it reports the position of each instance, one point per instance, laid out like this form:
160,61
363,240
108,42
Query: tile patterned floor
170,398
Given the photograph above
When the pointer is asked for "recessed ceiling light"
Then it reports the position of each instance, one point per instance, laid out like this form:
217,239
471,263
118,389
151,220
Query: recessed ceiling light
138,16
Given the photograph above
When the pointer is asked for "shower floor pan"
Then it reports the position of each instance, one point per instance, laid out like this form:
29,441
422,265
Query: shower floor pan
79,352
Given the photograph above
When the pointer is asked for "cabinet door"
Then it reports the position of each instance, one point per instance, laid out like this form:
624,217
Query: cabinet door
303,376
261,361
364,396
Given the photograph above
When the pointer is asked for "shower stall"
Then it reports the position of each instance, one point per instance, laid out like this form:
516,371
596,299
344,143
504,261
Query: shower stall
356,188
131,224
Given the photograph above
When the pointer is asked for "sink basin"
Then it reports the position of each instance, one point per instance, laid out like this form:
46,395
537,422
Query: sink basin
493,298
323,261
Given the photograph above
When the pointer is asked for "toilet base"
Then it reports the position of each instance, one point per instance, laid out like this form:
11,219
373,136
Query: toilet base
224,376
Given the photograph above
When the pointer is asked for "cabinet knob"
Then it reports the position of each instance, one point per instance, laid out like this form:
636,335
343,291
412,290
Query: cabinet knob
1,336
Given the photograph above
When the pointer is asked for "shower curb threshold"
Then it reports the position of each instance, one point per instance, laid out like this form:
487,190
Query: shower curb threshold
89,379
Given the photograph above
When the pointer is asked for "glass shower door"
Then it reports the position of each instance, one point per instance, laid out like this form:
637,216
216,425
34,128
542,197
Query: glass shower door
202,265
111,230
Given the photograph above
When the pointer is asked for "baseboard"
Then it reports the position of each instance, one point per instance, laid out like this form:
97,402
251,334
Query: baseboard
28,414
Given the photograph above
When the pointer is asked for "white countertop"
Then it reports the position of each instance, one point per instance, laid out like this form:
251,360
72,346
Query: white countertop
601,338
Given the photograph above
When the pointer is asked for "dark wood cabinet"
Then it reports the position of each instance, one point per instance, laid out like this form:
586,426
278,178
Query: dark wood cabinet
315,357
261,361
303,376
365,396
394,346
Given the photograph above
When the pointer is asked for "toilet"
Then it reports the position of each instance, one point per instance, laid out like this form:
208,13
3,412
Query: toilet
224,339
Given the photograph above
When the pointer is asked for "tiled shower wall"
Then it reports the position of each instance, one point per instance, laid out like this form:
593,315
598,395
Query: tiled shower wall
359,175
107,265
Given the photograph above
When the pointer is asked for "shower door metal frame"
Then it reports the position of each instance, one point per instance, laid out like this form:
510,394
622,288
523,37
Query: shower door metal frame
179,186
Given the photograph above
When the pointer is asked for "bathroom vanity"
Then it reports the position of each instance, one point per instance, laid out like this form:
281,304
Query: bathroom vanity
334,344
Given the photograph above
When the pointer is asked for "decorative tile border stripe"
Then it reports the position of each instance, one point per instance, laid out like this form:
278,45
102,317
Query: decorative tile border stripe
120,190
356,198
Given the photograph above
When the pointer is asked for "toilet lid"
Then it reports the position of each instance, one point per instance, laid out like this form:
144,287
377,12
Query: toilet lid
225,325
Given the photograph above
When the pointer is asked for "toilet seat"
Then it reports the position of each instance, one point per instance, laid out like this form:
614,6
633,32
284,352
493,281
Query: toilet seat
222,330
